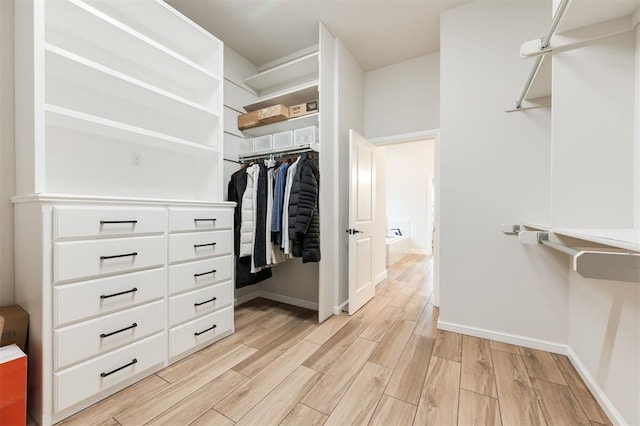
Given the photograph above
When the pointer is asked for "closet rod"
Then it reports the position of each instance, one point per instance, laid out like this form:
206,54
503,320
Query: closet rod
281,152
544,43
543,238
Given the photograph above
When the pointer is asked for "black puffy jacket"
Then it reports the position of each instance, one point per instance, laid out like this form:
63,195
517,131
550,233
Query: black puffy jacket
304,223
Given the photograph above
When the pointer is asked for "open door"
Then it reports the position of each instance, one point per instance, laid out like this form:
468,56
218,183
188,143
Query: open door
361,215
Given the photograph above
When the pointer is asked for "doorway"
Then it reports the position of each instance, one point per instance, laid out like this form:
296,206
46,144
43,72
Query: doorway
411,196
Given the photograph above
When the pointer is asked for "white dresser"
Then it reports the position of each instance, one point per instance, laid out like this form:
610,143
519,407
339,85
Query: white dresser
117,290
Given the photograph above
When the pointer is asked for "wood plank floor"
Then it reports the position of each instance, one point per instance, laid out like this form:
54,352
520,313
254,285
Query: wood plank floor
386,365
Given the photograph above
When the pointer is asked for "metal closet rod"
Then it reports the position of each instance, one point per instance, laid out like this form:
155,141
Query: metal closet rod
544,43
543,238
265,155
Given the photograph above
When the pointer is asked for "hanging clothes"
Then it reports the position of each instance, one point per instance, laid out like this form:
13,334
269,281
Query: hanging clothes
304,220
285,209
278,201
259,246
247,225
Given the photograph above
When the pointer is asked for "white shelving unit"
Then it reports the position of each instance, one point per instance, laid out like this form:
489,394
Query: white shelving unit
626,239
118,136
281,126
296,71
290,96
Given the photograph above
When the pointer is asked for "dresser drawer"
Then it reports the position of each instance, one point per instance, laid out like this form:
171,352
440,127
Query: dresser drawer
82,222
198,245
188,219
189,276
79,259
90,338
87,299
199,331
84,380
188,306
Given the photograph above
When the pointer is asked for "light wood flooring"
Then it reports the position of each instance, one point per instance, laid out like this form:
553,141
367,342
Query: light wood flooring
386,365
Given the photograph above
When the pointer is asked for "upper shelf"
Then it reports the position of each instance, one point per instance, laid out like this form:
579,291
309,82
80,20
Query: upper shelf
582,13
292,96
282,126
626,239
297,70
157,20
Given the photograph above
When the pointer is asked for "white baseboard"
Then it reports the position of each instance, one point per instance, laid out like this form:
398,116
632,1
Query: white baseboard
289,300
610,410
557,348
249,296
380,277
337,310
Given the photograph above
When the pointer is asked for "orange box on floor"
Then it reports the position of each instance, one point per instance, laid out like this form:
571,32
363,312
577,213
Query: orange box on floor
13,386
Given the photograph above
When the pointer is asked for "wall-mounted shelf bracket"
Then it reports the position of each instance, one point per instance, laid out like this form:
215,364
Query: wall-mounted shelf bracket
600,265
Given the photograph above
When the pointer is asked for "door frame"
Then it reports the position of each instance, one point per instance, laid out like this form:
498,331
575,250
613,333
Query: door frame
413,137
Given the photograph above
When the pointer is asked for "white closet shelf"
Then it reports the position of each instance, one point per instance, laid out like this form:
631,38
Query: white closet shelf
541,226
292,96
100,37
626,239
120,133
157,20
282,126
305,67
582,13
307,147
88,74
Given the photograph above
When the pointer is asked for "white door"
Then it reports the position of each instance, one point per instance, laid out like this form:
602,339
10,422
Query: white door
361,216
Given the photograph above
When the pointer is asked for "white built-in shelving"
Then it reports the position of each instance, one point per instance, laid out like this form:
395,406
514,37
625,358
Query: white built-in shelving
282,126
290,96
299,70
625,239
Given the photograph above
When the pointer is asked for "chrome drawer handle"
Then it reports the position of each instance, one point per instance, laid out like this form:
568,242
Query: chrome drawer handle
206,301
134,325
135,253
197,333
133,361
204,220
109,222
203,245
106,296
205,273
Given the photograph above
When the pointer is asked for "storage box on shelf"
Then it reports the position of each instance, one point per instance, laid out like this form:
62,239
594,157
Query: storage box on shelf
283,139
305,135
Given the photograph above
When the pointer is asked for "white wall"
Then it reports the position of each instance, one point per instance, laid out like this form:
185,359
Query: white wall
409,192
7,157
403,97
350,87
495,169
380,221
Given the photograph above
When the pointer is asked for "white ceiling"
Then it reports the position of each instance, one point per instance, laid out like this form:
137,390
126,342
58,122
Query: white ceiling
378,33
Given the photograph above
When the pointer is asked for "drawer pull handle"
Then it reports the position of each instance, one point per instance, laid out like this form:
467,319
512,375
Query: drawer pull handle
205,273
204,220
135,253
106,296
110,222
197,333
206,301
134,325
203,245
133,361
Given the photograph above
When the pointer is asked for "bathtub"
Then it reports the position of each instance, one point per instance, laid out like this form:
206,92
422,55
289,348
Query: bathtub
396,247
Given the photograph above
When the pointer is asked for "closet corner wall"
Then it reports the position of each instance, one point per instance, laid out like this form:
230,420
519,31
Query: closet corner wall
122,240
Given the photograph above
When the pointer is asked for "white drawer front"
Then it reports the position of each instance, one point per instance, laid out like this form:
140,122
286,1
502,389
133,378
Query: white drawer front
74,222
87,339
199,331
185,219
188,276
198,245
78,259
199,302
86,299
84,380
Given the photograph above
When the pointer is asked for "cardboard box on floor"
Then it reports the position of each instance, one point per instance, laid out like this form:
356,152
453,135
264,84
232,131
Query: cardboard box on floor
262,116
15,323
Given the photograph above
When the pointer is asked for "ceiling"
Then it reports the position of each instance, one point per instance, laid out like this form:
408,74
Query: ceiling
378,33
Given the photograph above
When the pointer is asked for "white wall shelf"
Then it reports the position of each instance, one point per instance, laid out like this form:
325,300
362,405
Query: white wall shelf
162,23
288,97
626,239
102,39
297,70
120,133
293,149
281,126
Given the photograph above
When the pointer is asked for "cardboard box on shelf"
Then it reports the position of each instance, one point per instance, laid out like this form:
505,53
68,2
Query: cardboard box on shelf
303,109
263,116
15,325
13,392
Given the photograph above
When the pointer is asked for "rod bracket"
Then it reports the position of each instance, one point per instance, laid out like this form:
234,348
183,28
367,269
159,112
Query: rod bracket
543,236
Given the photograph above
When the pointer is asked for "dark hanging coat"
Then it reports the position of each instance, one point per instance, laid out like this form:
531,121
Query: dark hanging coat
304,217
